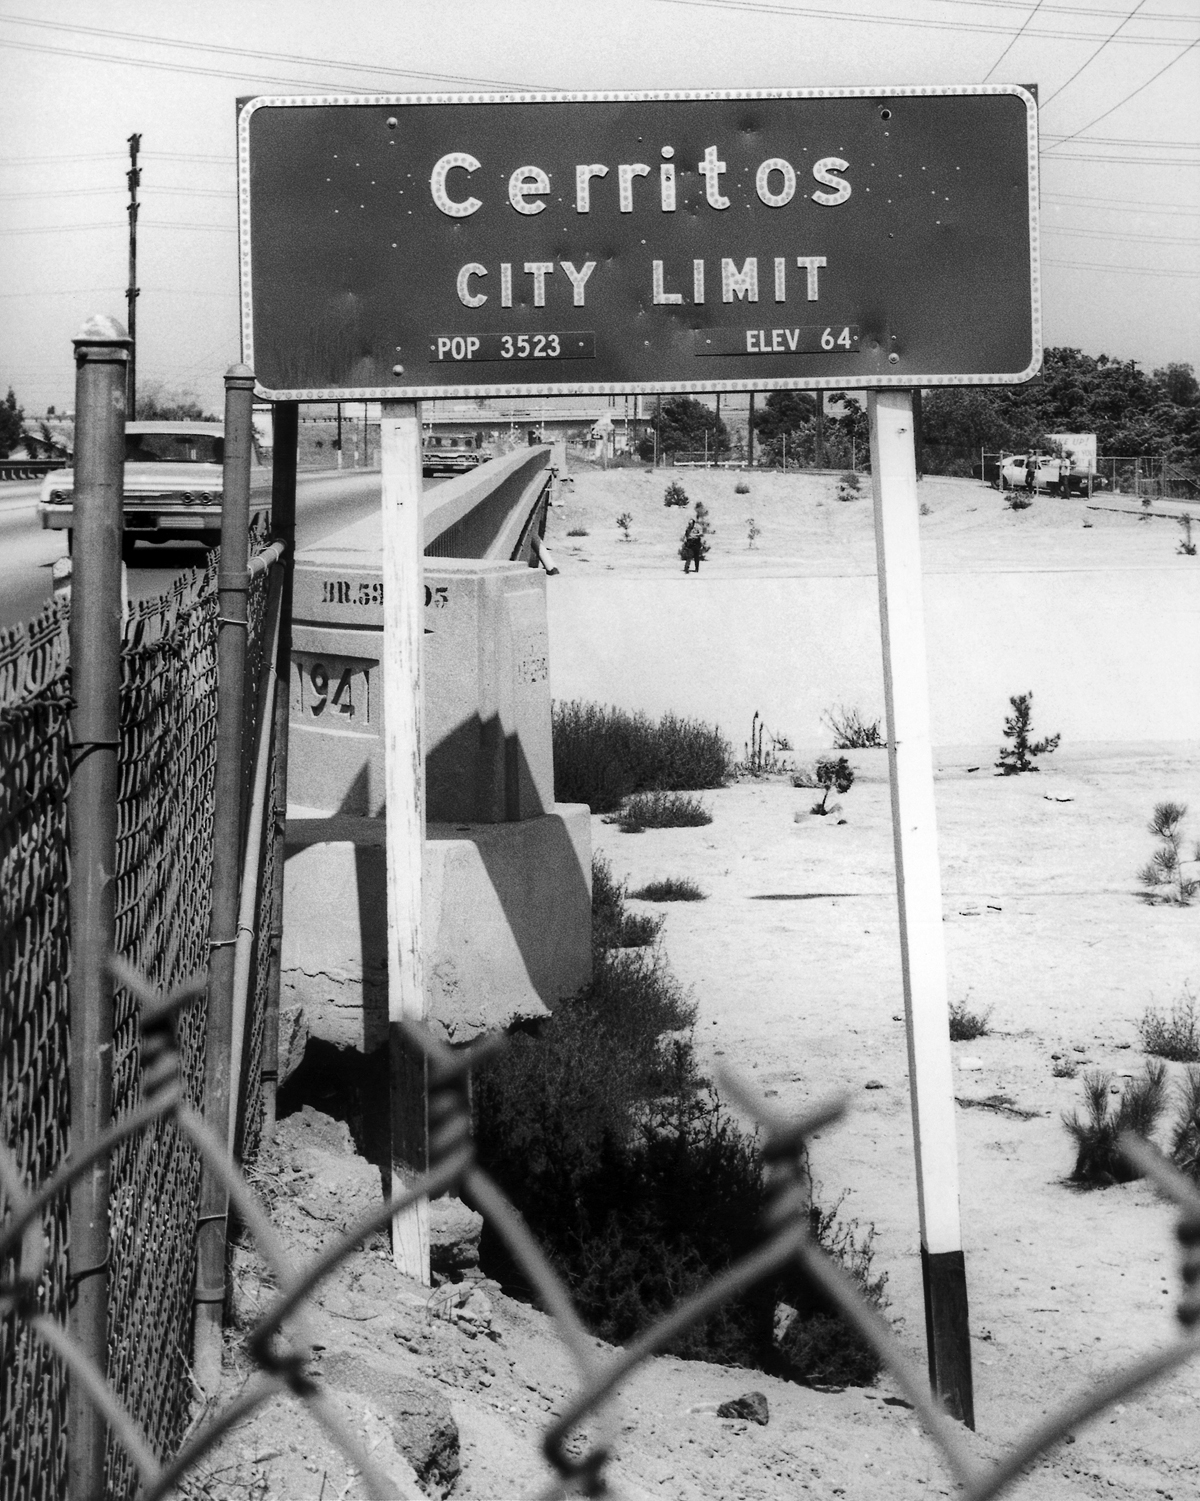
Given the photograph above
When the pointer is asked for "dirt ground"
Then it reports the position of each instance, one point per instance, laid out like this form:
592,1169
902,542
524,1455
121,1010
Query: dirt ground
793,960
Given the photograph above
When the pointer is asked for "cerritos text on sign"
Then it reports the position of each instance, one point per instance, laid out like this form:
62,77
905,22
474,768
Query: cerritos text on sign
775,184
483,244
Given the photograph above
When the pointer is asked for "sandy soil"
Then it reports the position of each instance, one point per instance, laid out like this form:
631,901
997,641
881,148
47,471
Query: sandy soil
793,960
805,529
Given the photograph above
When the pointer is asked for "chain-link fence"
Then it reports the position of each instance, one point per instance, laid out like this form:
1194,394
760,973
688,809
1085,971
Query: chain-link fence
34,775
280,1347
166,769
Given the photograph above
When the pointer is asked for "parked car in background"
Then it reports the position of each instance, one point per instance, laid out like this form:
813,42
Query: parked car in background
172,489
1048,474
446,456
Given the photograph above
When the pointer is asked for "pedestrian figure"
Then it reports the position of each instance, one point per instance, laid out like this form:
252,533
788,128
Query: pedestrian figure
1030,476
692,549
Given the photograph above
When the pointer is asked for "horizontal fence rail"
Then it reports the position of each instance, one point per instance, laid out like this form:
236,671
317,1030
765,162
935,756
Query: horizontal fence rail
279,1346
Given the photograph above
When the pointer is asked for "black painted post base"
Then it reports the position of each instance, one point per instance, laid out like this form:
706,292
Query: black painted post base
948,1332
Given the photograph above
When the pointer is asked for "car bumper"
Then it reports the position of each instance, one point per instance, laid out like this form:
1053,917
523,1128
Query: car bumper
189,520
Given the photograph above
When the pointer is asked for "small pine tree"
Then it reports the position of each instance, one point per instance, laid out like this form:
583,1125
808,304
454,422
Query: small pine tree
625,521
1162,875
753,530
835,776
675,494
1018,756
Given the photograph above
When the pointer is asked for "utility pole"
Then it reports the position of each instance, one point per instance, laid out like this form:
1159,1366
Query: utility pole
750,435
133,177
819,431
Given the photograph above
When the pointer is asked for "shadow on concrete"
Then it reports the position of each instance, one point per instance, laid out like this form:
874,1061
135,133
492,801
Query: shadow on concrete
479,774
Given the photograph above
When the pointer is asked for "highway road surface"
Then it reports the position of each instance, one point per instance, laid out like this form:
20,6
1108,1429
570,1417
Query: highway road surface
325,502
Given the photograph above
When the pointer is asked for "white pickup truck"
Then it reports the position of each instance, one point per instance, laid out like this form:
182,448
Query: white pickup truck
173,485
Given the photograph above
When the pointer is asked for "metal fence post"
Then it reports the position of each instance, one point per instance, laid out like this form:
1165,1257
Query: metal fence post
233,583
101,372
285,420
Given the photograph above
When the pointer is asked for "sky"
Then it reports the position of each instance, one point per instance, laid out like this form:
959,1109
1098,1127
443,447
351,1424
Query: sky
1118,83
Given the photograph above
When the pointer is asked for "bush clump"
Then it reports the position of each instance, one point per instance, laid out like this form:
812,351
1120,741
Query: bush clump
1099,1161
851,731
1185,1143
1173,1034
602,755
832,776
601,1131
670,889
612,926
662,810
967,1025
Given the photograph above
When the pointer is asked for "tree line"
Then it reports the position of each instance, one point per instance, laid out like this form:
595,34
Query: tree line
1132,413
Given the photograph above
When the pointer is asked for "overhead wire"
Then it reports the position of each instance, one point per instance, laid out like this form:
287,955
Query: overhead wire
877,18
1112,109
1090,60
1013,42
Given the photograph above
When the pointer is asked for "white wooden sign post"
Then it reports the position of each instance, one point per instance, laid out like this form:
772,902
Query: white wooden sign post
919,891
404,784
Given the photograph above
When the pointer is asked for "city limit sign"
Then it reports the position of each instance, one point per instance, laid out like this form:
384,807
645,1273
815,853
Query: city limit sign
493,245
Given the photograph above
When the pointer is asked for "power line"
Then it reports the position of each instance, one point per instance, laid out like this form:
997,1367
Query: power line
1116,234
176,67
1015,39
1124,141
1157,206
875,18
48,195
226,159
1119,270
1133,161
52,229
1088,62
1112,109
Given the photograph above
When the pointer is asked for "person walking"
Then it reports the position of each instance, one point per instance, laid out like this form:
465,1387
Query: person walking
692,549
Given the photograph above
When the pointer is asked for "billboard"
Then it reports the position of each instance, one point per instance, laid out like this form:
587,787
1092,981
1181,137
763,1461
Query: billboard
495,245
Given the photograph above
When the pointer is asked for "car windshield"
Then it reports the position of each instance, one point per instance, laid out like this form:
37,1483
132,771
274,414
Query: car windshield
174,448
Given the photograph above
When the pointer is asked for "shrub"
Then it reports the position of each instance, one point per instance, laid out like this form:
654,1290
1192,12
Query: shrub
1099,1162
760,762
1018,500
753,531
675,494
832,775
603,1136
966,1025
1018,756
1185,1141
625,521
612,926
741,488
578,531
817,1346
1162,875
662,810
850,730
603,755
849,486
670,889
1175,1034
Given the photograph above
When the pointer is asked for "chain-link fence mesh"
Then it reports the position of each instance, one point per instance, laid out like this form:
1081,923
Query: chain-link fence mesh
280,1346
34,775
166,771
166,767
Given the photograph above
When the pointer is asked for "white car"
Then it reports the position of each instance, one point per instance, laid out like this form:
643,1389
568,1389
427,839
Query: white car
172,490
1047,474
